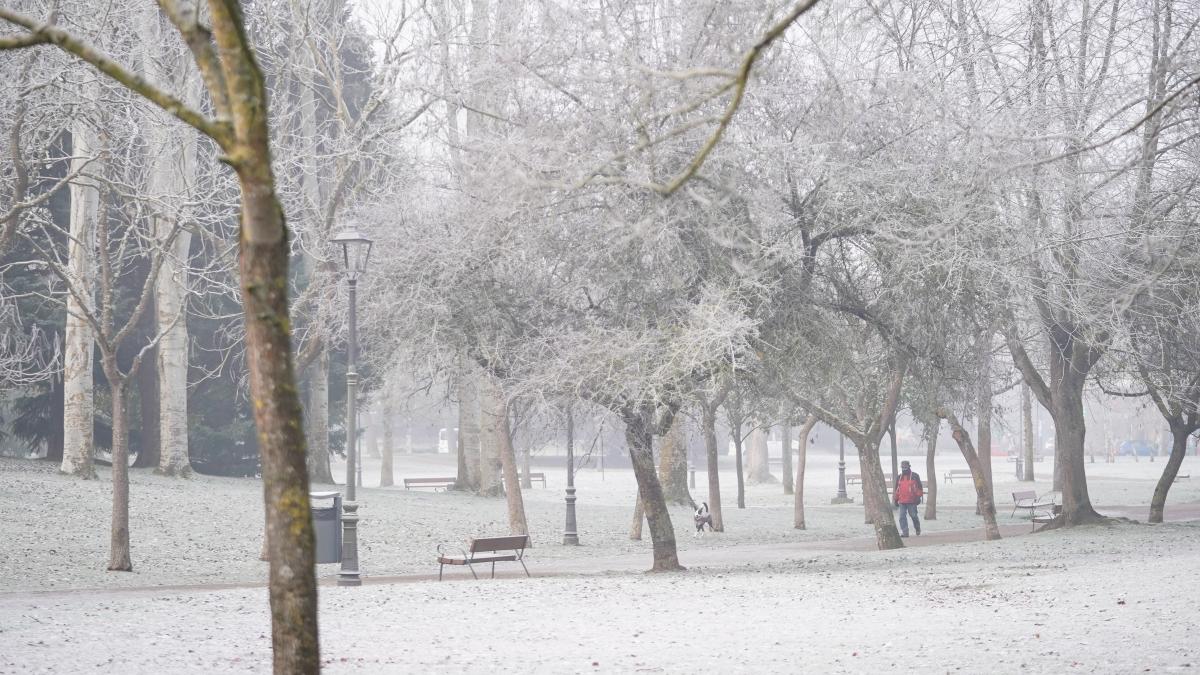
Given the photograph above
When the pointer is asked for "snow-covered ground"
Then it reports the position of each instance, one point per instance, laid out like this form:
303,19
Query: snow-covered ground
761,597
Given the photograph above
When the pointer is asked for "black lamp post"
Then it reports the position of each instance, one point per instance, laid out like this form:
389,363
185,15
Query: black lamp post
841,497
356,249
570,532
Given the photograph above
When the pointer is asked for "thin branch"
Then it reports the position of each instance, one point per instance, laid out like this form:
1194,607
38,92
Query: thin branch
1074,152
216,130
743,79
199,40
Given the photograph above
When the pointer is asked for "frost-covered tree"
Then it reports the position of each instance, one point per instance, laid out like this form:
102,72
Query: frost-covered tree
234,84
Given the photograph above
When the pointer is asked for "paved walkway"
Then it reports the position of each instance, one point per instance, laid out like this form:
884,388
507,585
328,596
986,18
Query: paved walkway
719,557
757,554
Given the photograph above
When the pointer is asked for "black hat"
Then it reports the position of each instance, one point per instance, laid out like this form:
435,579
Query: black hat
904,464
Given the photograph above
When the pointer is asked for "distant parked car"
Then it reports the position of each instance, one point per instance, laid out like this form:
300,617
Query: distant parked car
1136,447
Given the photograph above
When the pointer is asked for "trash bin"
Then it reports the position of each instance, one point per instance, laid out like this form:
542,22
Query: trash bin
327,526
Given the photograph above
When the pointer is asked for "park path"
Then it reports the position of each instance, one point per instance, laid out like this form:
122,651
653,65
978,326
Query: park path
776,552
723,557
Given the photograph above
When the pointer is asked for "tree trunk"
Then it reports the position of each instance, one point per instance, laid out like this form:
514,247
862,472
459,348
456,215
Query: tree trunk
370,437
1027,437
983,492
639,515
641,453
1179,439
317,419
891,432
1069,432
785,467
526,479
737,463
468,431
118,550
78,349
171,173
801,460
758,461
508,460
931,433
878,508
388,420
171,318
672,465
149,398
983,426
54,437
1060,462
708,424
491,437
263,267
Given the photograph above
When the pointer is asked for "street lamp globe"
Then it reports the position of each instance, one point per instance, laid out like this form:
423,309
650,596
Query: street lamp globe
356,250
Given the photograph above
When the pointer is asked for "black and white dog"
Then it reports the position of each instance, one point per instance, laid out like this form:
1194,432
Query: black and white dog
702,518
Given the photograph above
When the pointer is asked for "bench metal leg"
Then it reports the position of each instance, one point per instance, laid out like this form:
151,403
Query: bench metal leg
493,570
472,568
523,565
440,568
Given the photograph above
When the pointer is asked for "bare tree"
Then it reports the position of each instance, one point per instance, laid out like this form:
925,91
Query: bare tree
237,92
987,507
710,403
798,521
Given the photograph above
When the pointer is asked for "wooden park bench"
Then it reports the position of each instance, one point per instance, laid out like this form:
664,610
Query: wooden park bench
856,478
533,478
950,475
487,550
1023,499
435,483
1046,513
1042,510
536,477
1182,476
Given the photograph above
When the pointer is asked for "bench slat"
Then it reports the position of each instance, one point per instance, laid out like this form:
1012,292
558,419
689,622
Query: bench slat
460,560
435,483
487,550
513,543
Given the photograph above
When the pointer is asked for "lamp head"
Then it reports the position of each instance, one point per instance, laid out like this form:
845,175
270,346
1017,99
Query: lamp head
356,250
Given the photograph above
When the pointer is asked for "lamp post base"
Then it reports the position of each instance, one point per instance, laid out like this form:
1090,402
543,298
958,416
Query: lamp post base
841,497
570,536
349,575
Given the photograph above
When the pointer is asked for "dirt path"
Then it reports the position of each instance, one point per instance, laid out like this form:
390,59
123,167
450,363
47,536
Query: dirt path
713,558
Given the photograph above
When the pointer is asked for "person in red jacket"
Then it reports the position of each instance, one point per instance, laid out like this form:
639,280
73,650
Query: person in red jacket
907,496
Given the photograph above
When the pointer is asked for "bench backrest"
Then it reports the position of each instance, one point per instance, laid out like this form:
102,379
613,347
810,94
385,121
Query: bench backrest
1024,494
488,544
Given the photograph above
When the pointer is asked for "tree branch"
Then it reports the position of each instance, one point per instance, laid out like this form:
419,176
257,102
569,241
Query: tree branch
743,79
47,33
200,41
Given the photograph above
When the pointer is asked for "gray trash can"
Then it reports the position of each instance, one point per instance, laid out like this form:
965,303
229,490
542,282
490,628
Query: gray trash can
327,526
